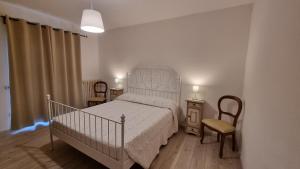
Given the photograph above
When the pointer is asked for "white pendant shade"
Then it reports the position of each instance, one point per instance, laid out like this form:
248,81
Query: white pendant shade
91,21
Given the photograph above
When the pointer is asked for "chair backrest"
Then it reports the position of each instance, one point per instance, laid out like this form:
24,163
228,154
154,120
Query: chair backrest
100,88
233,115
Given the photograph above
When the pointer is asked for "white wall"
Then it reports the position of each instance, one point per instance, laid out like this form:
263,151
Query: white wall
18,11
271,125
208,49
90,56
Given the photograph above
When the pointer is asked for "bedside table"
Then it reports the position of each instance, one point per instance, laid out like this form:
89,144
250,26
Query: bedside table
115,92
194,114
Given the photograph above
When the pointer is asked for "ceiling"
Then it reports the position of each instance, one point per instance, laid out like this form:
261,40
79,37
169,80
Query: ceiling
120,13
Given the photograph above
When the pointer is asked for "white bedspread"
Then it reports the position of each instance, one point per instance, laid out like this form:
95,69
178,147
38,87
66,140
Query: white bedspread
146,127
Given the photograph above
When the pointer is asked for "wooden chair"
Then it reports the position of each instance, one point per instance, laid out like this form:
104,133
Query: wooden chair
100,91
221,127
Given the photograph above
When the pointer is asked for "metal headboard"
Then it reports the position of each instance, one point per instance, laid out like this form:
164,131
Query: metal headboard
155,81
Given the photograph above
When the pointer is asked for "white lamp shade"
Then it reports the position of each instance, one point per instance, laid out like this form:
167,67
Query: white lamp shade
91,21
117,80
195,88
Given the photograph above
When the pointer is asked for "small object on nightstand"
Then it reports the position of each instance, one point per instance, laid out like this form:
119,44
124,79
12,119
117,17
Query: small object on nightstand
194,115
115,92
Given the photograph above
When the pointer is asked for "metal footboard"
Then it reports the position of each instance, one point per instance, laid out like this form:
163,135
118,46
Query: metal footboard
101,134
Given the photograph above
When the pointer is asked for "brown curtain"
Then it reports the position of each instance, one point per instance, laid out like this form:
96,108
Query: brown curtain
42,60
66,67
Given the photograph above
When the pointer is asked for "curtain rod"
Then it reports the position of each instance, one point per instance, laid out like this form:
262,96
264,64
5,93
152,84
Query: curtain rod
33,23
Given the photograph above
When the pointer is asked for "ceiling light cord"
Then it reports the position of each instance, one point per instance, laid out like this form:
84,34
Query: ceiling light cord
91,4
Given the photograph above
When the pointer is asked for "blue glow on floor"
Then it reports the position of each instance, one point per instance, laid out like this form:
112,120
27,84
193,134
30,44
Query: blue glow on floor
30,128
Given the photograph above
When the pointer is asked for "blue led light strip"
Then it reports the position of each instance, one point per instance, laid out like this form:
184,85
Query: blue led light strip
30,128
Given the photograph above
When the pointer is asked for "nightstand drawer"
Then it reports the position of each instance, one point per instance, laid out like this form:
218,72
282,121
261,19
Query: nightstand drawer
192,130
191,104
114,92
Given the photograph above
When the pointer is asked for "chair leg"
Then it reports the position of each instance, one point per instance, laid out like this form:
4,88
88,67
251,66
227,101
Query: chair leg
233,141
221,145
202,133
218,137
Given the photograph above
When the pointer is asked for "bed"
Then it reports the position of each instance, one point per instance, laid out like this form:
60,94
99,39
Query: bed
128,130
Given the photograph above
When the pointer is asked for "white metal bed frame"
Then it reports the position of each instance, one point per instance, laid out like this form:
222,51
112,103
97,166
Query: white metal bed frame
157,81
151,81
89,147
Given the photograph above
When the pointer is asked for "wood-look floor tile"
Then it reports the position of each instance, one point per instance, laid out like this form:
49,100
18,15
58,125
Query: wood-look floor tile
32,151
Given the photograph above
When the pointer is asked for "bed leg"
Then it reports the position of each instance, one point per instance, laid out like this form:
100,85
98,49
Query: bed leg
51,139
49,120
122,139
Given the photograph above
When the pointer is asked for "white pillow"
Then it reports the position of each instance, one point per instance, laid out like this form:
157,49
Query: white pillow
148,100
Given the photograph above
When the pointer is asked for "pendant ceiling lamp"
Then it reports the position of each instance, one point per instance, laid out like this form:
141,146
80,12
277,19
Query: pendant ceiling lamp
91,20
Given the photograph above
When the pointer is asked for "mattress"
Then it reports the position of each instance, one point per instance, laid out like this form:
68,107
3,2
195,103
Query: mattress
147,127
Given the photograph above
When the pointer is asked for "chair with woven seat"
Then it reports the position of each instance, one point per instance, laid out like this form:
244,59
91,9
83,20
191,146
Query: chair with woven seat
100,91
223,128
